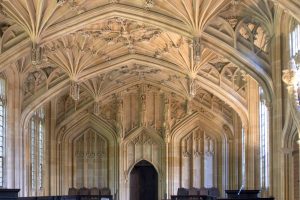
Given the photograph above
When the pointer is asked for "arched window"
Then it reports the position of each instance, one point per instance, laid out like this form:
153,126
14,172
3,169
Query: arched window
295,52
2,127
208,161
36,131
264,140
295,43
243,158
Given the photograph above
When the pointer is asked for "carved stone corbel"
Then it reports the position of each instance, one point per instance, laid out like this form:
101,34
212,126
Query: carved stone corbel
149,4
74,90
192,87
291,78
196,49
96,110
36,54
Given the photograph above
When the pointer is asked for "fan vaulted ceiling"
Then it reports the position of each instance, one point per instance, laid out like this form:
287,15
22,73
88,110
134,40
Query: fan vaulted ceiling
199,51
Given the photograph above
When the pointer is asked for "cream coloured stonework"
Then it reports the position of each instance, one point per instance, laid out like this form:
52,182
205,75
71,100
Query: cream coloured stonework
172,82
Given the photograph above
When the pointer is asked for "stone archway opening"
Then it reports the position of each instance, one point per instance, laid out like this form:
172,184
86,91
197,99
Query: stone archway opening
143,182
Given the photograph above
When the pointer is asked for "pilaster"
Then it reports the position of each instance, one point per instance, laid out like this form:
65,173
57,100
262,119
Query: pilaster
252,136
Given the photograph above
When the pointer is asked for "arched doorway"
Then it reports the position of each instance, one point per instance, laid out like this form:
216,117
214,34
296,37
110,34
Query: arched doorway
143,182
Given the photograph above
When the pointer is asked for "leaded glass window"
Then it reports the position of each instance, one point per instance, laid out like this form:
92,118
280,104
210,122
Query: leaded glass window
264,141
37,135
295,55
243,158
2,127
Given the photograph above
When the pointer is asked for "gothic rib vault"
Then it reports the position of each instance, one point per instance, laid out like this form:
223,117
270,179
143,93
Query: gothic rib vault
162,75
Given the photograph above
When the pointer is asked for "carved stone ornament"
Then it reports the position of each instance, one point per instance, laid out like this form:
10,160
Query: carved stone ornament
197,154
36,54
2,12
291,76
61,2
192,87
74,90
113,1
235,2
149,4
232,20
197,49
97,108
186,154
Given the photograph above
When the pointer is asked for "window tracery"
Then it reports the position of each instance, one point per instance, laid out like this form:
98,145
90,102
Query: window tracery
37,143
243,157
264,141
2,127
295,57
198,159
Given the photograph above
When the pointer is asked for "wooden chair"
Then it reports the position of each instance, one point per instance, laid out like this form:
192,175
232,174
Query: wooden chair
214,192
203,191
95,191
73,191
105,191
182,192
193,192
84,192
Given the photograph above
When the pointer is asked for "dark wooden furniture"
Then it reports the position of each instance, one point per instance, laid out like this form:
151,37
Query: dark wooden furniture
240,194
191,197
270,198
9,194
244,194
69,197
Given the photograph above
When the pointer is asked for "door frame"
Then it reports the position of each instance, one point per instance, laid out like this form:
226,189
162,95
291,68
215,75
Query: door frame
151,164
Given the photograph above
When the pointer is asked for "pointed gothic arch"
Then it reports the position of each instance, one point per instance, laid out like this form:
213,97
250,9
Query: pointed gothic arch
142,144
67,135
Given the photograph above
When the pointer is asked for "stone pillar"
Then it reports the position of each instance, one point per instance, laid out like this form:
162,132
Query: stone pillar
168,189
201,144
288,168
14,173
291,78
166,135
53,150
119,118
166,117
298,178
231,164
142,117
237,151
252,136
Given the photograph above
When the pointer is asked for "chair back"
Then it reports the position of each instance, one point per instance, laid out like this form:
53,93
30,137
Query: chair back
105,191
72,191
84,191
193,191
182,192
214,192
95,191
203,191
